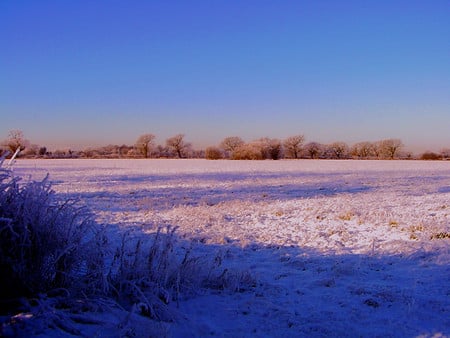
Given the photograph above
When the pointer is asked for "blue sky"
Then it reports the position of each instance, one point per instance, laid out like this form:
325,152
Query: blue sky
80,73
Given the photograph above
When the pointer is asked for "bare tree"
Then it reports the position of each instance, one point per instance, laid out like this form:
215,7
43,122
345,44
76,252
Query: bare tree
16,140
230,144
271,148
144,144
338,150
390,147
313,149
178,146
162,151
363,149
378,149
293,146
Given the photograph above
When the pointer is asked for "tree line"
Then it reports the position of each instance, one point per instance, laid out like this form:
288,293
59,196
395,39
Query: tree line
232,147
294,147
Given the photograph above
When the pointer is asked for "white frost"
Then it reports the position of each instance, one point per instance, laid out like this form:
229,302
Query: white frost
338,248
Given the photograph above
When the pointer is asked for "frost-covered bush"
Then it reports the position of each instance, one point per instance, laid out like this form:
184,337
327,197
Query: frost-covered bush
152,271
55,259
45,243
248,152
213,153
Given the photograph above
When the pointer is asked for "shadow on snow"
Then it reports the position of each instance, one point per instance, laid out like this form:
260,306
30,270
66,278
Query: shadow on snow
223,189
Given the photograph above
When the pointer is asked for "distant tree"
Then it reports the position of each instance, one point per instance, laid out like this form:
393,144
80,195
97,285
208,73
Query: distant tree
213,153
293,146
230,144
261,145
250,151
64,153
430,156
338,150
193,153
123,150
363,149
390,147
313,149
16,140
407,155
144,144
178,146
445,153
85,153
32,150
162,151
272,148
110,151
42,151
133,153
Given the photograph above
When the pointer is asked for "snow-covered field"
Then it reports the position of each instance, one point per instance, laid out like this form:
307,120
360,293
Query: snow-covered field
334,248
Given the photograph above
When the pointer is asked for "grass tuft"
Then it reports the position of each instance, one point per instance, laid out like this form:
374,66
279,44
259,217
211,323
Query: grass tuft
55,259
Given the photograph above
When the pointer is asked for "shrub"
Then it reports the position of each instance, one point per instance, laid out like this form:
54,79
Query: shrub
213,153
247,152
430,156
45,244
150,274
48,244
54,257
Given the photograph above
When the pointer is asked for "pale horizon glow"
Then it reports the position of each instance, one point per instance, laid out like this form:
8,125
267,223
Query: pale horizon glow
80,74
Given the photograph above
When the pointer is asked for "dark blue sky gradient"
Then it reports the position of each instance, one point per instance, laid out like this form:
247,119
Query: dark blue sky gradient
74,73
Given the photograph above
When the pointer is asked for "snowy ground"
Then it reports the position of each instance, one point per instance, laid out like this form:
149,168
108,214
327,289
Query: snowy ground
333,248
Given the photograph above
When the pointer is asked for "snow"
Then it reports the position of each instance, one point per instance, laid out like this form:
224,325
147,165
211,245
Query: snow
324,248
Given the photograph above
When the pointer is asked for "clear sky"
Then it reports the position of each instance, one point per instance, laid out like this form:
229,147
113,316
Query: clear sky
79,73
